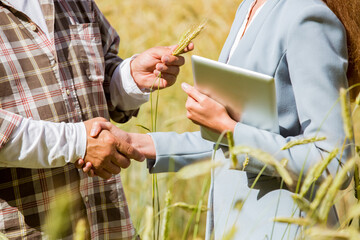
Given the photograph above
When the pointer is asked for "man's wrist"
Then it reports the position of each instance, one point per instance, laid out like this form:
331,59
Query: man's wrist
80,148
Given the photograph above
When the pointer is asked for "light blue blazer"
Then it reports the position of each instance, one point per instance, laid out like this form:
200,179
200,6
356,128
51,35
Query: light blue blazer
303,45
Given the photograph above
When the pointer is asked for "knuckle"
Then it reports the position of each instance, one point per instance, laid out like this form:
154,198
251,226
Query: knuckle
188,105
109,139
188,114
100,119
130,150
126,163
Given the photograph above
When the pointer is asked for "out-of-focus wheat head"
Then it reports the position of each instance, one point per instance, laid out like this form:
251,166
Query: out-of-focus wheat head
346,114
58,219
166,216
197,169
149,219
334,188
315,172
188,207
267,159
302,141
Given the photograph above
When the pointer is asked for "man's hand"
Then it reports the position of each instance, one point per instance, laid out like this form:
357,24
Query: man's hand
141,142
146,67
106,153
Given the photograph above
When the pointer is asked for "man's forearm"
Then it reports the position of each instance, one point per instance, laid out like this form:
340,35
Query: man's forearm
124,92
42,144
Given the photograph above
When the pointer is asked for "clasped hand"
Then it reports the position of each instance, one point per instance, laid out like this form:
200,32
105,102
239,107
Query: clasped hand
108,148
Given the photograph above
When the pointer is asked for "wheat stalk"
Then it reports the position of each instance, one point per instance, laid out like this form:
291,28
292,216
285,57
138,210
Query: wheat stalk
246,162
188,207
231,234
321,192
230,138
334,188
267,159
149,219
303,204
302,141
316,171
320,233
348,127
166,217
80,230
197,169
297,221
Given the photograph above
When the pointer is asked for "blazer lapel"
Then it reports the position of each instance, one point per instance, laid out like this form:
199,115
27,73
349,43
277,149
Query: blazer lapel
239,18
247,40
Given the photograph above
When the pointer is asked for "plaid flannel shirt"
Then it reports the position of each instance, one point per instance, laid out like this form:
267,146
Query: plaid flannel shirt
62,79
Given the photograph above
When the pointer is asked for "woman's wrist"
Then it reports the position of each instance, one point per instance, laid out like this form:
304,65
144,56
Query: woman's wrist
143,143
228,125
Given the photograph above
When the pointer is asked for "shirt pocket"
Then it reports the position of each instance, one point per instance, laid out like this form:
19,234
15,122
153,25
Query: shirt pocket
88,51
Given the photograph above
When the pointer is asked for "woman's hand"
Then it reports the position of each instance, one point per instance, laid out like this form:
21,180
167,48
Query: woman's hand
205,111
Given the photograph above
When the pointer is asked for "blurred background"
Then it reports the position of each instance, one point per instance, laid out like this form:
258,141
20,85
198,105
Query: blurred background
143,24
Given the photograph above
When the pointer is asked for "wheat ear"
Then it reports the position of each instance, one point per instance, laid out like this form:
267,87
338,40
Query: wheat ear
188,37
166,216
348,127
267,159
316,171
302,141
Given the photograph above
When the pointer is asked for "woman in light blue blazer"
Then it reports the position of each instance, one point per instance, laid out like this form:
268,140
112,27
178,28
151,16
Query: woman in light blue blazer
303,45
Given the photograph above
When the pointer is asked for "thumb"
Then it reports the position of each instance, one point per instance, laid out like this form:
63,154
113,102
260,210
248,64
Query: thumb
97,127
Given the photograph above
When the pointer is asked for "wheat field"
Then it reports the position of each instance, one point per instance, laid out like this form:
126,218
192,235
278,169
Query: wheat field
142,24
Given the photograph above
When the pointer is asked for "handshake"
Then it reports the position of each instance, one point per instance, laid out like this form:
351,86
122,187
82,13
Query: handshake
109,148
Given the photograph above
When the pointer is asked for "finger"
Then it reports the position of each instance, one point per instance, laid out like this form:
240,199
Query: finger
173,60
191,105
103,173
166,80
91,173
173,70
87,167
112,168
121,161
129,151
79,163
193,92
98,126
189,47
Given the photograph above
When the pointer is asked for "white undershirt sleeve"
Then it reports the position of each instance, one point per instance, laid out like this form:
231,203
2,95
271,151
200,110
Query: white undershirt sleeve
124,92
43,144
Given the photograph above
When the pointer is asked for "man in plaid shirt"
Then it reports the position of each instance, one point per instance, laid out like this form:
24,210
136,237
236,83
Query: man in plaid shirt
59,72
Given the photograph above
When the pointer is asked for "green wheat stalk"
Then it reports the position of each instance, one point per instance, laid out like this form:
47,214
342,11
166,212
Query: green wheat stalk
183,43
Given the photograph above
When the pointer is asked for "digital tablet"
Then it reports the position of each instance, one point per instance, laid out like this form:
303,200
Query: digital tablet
248,96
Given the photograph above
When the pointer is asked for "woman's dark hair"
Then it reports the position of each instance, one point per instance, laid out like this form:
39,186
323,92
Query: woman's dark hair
348,11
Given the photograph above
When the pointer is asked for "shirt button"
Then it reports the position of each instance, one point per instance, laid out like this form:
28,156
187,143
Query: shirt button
68,92
33,27
86,198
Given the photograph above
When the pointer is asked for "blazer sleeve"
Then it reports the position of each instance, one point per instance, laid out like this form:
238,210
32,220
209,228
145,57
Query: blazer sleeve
174,151
317,61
